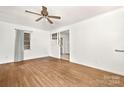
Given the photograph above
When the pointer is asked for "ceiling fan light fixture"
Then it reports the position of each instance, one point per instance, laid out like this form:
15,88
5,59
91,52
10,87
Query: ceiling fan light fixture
44,15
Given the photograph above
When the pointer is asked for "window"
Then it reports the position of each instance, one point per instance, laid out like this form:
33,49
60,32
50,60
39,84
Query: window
26,41
54,36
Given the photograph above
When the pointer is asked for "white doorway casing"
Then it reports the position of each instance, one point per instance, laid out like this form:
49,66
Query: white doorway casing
64,45
55,44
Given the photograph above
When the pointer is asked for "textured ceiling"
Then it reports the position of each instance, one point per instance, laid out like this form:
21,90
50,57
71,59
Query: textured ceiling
69,15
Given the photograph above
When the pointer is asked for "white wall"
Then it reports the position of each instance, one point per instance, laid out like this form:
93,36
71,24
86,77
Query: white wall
39,45
6,42
39,42
93,41
54,47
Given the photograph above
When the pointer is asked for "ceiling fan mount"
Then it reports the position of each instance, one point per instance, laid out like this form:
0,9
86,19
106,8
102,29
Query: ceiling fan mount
44,14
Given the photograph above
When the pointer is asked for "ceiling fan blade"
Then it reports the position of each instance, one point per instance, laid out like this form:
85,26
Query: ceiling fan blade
38,19
56,17
49,21
32,12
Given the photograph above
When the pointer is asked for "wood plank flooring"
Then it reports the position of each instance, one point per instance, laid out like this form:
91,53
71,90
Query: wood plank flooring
52,72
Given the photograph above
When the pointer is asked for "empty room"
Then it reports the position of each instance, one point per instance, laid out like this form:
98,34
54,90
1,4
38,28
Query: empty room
61,46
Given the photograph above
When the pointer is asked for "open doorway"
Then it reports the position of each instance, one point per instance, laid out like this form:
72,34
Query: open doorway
64,45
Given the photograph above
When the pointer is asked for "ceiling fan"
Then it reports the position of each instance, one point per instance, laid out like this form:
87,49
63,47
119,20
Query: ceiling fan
44,14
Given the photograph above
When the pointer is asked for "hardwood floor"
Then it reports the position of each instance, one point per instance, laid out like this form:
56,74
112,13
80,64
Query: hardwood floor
51,72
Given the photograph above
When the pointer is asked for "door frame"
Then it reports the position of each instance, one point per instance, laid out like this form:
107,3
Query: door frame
59,42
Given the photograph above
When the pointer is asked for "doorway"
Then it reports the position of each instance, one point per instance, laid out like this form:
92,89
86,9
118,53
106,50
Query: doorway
65,45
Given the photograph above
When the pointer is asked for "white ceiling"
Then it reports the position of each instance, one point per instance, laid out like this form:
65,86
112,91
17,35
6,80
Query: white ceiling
69,15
